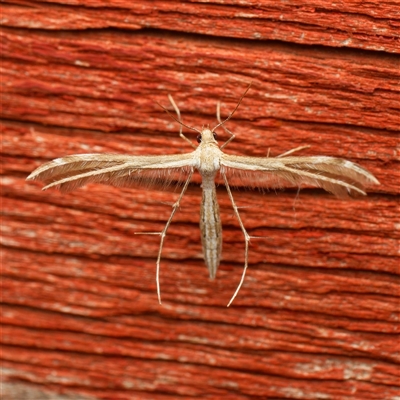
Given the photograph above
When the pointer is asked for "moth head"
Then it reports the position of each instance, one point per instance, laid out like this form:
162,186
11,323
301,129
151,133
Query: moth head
207,136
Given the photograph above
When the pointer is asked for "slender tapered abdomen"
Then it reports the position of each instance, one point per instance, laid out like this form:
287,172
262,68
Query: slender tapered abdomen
210,226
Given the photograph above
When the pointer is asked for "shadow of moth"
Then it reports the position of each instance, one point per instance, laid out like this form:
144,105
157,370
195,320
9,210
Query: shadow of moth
340,177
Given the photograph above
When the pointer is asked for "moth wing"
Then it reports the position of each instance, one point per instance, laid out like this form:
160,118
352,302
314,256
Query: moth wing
341,177
71,172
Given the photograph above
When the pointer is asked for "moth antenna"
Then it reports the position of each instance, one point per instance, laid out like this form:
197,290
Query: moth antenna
177,120
223,126
234,110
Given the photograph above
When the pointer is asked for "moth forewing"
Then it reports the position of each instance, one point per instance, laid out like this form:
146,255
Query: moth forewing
71,172
338,176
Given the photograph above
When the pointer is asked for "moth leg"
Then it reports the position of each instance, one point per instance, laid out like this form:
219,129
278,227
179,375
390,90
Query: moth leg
163,233
223,126
247,238
286,153
178,113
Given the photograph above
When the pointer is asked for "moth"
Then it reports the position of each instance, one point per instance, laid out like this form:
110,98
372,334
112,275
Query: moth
340,177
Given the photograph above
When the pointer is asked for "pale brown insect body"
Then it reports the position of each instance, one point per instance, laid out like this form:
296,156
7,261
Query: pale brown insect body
209,162
341,177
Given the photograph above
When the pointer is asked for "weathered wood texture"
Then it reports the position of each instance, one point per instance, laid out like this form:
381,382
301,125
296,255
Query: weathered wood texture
372,25
317,316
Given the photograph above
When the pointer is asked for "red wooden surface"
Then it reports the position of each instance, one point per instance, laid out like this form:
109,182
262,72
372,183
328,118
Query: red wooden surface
317,316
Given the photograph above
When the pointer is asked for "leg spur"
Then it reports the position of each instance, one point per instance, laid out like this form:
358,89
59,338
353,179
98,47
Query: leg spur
163,233
247,238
